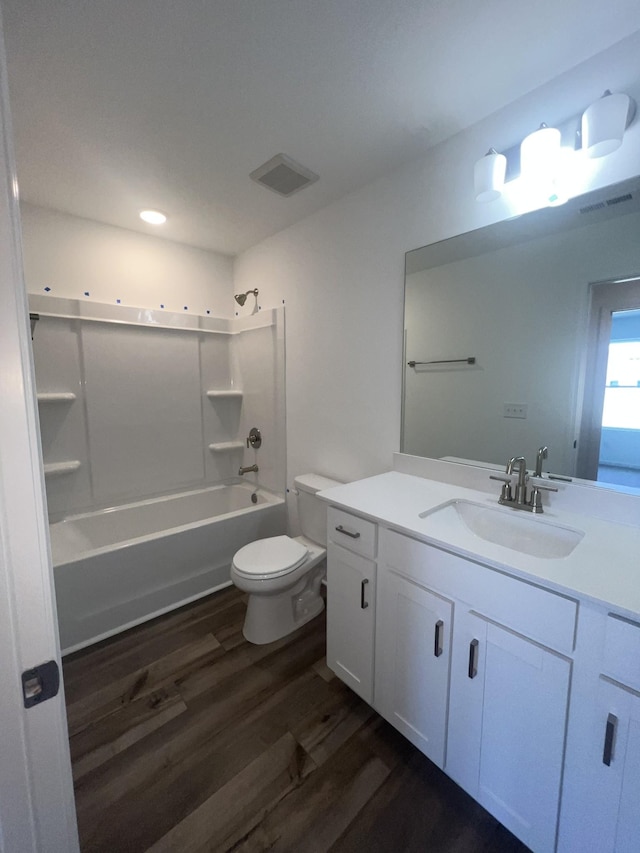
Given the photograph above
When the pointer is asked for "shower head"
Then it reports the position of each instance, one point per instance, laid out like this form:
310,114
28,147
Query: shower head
241,298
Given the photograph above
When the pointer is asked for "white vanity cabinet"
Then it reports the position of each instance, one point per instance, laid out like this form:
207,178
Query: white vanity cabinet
351,599
507,720
413,659
609,811
486,701
601,808
514,668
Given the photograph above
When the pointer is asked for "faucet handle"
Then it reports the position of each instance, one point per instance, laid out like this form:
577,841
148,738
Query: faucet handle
544,488
505,495
535,501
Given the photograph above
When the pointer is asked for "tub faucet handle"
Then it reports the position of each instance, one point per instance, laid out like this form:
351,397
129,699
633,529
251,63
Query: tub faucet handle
254,439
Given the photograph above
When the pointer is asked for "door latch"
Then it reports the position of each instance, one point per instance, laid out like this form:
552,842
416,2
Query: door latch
40,683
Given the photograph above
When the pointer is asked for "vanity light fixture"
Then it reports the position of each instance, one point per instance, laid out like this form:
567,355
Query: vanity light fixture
604,123
539,154
549,172
153,217
539,162
488,175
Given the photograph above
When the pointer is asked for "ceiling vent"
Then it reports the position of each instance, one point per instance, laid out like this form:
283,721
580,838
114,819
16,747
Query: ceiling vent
610,202
618,199
589,208
283,175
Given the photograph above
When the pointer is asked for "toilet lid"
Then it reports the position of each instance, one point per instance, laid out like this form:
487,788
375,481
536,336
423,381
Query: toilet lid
275,556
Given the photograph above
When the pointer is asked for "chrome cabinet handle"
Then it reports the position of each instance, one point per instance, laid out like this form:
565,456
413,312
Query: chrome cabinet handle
363,604
341,529
437,639
609,739
473,658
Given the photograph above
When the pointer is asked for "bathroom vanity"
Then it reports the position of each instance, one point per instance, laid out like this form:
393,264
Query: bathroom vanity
504,645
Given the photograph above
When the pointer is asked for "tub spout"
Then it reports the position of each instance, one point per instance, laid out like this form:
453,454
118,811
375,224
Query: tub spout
249,469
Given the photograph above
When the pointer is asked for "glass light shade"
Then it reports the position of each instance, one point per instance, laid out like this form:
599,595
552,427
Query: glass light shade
539,154
488,176
604,124
153,217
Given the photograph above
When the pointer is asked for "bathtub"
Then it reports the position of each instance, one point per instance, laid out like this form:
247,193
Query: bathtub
117,567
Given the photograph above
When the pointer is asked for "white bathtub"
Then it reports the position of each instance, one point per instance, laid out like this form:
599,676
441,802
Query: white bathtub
121,566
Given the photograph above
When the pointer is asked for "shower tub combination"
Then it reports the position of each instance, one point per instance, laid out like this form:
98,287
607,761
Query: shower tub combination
117,567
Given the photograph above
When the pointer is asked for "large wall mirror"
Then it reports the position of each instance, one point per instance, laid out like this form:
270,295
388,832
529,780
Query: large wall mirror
497,338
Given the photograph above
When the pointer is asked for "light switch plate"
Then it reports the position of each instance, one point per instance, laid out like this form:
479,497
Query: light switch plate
515,410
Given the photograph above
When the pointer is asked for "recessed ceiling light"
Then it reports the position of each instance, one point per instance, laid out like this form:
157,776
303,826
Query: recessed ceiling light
153,217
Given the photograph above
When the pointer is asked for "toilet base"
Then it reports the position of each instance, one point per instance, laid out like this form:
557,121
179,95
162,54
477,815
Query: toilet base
263,624
271,617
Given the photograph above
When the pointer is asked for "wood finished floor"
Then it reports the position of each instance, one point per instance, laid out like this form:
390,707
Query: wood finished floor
185,738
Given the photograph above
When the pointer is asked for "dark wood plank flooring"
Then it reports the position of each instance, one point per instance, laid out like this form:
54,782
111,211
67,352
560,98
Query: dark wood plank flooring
185,738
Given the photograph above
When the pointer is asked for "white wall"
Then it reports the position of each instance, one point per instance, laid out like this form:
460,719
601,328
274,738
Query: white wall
72,256
340,272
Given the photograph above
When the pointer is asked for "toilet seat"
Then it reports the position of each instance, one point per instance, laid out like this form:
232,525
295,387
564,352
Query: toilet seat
270,558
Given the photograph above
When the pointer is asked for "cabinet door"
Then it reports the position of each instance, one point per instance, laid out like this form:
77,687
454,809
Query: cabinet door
602,809
508,711
413,650
623,734
351,618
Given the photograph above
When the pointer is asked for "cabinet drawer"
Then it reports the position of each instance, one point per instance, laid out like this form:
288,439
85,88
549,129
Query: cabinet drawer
530,610
352,532
622,651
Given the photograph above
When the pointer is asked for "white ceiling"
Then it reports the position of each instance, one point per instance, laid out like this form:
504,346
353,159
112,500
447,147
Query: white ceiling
127,104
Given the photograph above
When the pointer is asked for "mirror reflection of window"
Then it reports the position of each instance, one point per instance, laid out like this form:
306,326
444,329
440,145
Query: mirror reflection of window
622,393
619,456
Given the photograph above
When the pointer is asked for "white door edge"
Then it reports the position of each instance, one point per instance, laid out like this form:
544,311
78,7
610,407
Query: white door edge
37,811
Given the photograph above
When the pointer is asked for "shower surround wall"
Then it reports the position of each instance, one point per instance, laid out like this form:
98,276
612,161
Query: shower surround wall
137,403
143,418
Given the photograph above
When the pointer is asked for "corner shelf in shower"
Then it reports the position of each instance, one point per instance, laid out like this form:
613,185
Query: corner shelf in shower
226,446
58,469
224,394
56,397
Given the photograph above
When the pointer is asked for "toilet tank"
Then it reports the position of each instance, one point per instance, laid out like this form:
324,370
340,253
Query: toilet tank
312,512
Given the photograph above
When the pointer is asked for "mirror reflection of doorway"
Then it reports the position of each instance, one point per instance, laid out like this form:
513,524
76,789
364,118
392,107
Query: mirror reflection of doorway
619,457
609,448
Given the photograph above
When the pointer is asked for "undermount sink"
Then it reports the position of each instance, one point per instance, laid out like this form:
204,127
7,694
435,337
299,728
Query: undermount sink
507,527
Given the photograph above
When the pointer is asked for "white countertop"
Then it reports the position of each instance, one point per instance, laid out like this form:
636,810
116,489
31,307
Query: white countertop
603,568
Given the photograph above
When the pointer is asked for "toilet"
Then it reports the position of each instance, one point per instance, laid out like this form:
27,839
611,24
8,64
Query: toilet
283,575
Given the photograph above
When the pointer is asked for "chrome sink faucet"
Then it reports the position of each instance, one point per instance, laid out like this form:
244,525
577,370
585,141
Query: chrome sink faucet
520,500
521,488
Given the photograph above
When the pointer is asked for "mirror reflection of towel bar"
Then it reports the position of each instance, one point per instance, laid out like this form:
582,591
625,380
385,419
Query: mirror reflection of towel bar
470,360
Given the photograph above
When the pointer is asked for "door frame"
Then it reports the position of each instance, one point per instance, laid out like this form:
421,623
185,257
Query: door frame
620,294
37,810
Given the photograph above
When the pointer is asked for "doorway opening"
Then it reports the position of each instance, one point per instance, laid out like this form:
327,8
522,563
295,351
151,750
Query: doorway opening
619,457
609,449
